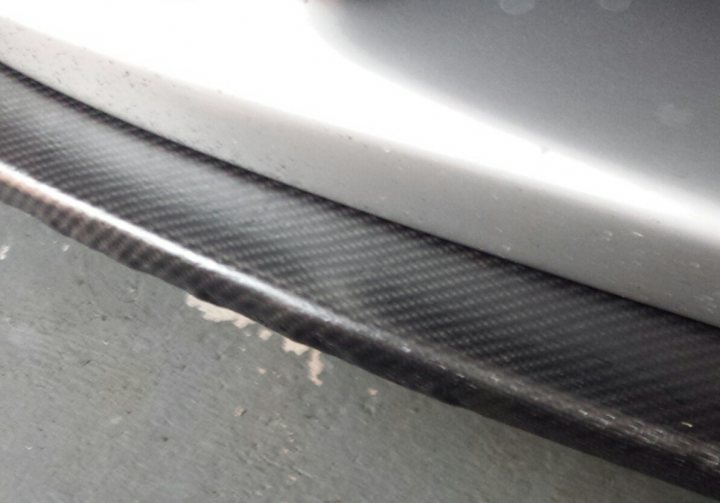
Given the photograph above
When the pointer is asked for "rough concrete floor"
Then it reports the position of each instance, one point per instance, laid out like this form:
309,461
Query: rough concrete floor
115,387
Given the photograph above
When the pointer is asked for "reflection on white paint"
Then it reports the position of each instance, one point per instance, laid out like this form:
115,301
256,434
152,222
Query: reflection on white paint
517,7
281,62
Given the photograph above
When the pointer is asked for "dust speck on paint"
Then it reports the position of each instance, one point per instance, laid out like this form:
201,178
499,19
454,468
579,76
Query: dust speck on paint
217,314
238,412
4,251
261,371
372,392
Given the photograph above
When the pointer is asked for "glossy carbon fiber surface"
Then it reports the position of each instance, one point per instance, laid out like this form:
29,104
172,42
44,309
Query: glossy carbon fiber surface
615,378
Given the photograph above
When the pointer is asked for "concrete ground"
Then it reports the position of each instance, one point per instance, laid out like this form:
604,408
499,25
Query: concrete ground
115,387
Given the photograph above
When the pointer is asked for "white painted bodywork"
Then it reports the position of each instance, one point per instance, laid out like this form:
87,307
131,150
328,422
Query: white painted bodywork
262,85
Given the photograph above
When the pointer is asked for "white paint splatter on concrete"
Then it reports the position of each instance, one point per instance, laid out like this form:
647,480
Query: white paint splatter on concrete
65,247
315,363
372,392
238,412
294,347
217,314
4,251
315,367
261,371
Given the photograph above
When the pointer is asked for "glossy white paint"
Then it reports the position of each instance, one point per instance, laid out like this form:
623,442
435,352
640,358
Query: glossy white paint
262,85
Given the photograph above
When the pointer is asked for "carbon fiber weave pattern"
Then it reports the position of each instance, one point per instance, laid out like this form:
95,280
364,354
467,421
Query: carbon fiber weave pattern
633,384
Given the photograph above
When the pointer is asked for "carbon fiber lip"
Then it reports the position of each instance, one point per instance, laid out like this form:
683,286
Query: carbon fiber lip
588,369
